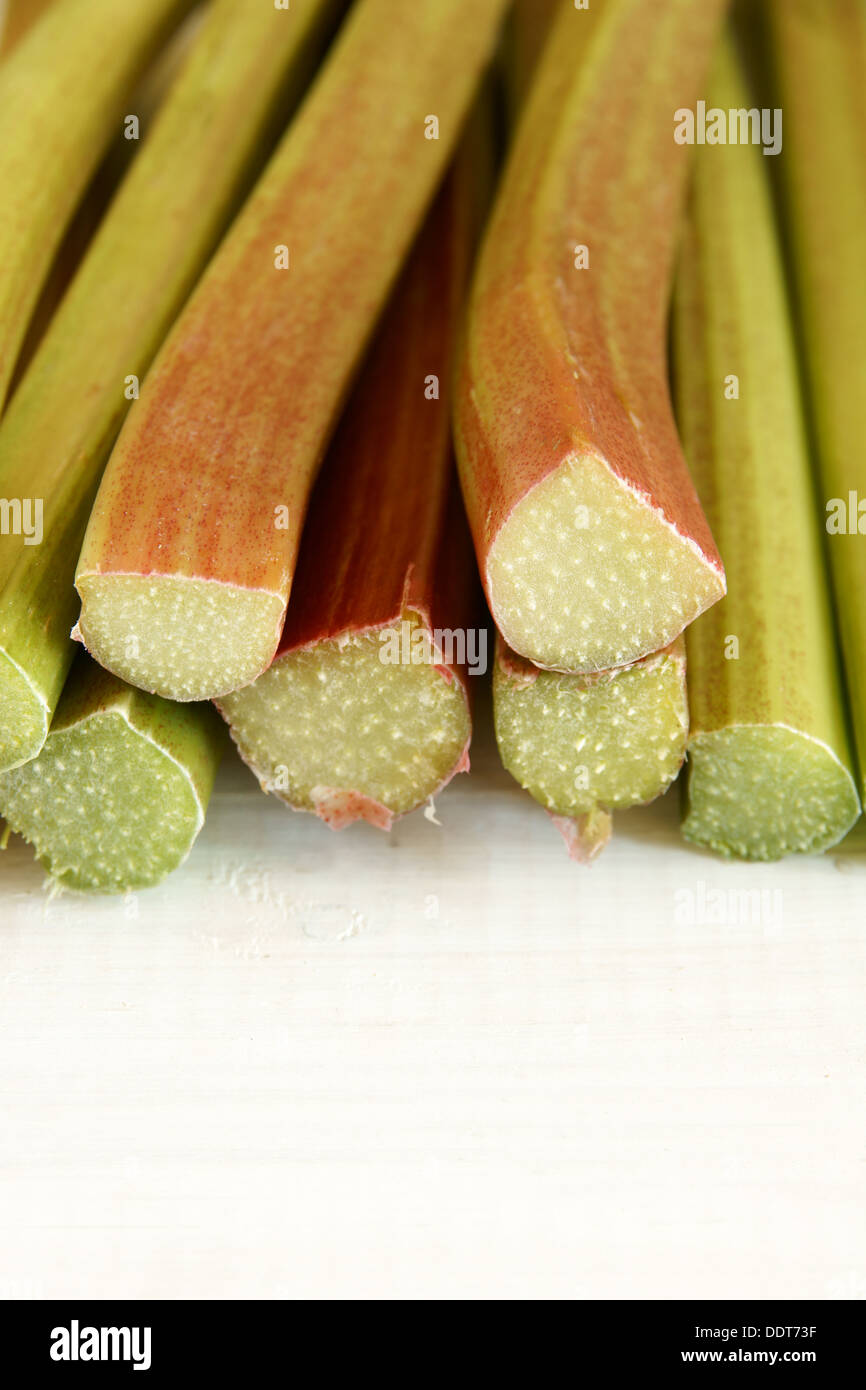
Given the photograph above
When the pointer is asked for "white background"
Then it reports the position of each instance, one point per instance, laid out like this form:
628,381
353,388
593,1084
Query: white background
447,1063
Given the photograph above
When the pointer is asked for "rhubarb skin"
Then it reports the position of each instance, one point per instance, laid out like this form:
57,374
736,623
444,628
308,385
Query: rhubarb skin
819,55
385,545
118,794
586,745
527,31
194,165
16,17
591,542
89,51
770,768
194,535
144,101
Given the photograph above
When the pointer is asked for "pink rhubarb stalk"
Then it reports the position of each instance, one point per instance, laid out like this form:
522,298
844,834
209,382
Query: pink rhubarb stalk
591,541
364,712
192,543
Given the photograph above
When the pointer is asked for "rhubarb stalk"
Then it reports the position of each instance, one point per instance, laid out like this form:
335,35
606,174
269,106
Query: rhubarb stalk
819,53
769,762
591,541
55,437
193,539
529,25
364,713
61,91
585,746
117,796
16,17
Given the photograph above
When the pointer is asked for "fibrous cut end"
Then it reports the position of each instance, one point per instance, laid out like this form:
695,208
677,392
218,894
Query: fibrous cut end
105,809
765,792
23,716
578,743
584,575
344,731
185,639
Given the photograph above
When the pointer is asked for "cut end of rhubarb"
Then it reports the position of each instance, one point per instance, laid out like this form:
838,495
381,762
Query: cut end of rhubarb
23,717
578,743
765,792
584,575
337,730
105,809
185,639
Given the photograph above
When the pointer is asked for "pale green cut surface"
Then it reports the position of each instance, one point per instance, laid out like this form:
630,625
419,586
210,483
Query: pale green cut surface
104,809
583,576
185,639
576,743
335,718
764,792
23,716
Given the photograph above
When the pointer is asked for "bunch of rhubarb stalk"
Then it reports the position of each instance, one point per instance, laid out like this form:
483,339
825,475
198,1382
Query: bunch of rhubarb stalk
282,381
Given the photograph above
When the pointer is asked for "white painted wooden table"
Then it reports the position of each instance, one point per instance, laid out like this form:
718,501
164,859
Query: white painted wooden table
449,1063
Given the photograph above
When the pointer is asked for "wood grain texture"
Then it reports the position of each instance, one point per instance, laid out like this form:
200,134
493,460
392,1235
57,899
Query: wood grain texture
444,1063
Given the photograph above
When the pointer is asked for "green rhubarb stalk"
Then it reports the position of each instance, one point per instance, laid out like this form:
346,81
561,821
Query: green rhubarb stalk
16,17
585,746
143,102
117,796
819,52
193,539
527,31
61,91
57,433
769,762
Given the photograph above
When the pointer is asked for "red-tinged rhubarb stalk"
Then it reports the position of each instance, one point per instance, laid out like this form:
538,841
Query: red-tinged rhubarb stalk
61,94
364,712
186,568
118,793
590,538
585,746
770,769
197,159
818,52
